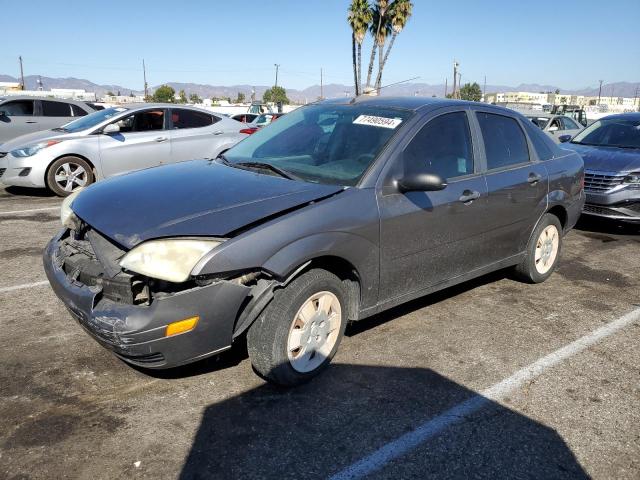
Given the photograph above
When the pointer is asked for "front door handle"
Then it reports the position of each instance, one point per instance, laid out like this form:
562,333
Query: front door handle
469,196
161,139
31,121
534,178
219,132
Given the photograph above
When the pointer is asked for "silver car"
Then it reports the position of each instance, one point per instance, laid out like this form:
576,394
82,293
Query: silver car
555,126
115,141
20,115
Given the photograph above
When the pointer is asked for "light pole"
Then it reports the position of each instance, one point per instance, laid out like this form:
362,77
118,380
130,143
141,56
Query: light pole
600,91
277,65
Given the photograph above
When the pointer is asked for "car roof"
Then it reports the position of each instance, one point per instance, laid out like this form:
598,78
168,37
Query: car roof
407,103
52,99
625,116
137,106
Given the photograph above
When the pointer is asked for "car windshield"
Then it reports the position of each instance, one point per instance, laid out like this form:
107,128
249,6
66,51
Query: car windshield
92,119
611,132
539,121
332,144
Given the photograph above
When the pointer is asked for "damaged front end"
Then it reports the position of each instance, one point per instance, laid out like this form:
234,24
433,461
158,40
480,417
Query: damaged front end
130,313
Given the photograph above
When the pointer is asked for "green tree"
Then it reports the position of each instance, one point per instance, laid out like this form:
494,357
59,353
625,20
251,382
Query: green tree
111,94
182,97
195,98
399,14
380,29
164,94
275,95
471,91
240,98
359,17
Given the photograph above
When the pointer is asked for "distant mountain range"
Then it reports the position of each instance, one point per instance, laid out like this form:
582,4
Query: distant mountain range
618,89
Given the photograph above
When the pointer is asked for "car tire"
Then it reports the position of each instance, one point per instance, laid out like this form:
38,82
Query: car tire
543,251
67,174
299,332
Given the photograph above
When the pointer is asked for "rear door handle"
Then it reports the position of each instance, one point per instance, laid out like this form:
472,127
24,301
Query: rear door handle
31,121
534,178
469,196
218,132
161,139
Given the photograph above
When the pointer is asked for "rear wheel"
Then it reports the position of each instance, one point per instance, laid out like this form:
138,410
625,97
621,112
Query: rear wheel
299,332
68,174
543,251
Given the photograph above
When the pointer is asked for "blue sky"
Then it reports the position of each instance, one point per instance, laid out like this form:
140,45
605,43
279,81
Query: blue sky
570,44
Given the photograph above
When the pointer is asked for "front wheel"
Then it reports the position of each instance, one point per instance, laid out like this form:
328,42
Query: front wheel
543,251
299,332
68,174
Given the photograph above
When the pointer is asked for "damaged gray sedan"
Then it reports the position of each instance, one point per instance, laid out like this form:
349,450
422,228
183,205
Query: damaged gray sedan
338,211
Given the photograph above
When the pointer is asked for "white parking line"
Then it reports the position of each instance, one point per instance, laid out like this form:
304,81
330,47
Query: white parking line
458,413
16,212
23,286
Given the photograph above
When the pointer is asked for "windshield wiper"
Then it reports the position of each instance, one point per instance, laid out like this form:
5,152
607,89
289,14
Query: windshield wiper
59,129
268,166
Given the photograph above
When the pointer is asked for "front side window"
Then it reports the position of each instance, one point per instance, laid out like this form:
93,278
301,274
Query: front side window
504,140
146,121
55,109
18,108
611,132
183,118
569,124
333,144
443,146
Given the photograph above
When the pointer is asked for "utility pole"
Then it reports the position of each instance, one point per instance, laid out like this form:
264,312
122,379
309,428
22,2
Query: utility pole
635,99
21,73
446,80
459,84
144,74
600,91
455,78
484,89
277,65
321,86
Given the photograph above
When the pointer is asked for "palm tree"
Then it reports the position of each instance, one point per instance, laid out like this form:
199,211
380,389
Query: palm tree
399,14
359,18
380,29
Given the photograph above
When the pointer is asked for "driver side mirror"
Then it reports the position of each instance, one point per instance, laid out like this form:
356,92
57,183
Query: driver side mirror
111,128
421,182
564,138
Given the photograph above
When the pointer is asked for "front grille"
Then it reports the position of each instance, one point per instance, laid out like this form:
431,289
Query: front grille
2,171
600,181
603,211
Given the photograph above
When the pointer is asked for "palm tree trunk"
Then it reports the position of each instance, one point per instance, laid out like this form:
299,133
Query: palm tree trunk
360,67
371,60
380,58
356,80
384,60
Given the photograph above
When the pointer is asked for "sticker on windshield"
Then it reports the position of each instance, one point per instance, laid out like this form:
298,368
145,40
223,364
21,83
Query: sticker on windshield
374,121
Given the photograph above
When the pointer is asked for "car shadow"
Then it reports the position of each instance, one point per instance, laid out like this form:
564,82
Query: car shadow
26,192
606,226
350,411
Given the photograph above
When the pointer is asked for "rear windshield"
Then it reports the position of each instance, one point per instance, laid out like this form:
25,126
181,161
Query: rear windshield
333,144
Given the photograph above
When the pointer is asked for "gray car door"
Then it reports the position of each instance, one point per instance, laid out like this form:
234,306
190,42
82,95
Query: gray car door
53,113
429,237
194,134
517,184
570,127
17,118
142,142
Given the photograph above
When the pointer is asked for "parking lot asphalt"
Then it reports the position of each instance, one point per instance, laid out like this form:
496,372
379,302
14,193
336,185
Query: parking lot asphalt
69,409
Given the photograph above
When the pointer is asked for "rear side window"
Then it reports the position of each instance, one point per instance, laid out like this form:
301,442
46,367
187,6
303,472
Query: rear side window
504,140
77,111
443,146
190,119
143,121
55,109
18,108
542,144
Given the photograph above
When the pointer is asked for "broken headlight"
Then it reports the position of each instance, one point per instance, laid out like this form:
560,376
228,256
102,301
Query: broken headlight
170,260
67,217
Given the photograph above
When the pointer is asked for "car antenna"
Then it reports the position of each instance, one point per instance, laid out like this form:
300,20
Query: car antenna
377,90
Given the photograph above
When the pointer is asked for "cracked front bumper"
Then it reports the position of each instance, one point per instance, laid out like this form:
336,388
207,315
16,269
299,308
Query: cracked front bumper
136,333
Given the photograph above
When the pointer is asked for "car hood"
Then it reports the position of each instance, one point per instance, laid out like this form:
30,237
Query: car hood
607,159
31,138
196,198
